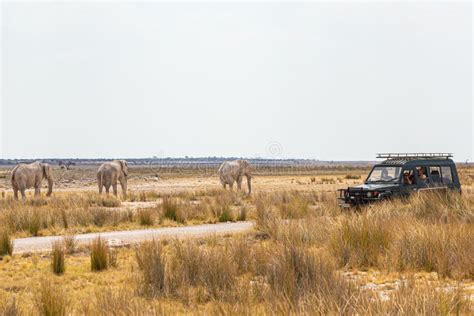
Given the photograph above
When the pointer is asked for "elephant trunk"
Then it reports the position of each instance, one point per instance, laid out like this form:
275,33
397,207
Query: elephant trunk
124,187
249,179
50,186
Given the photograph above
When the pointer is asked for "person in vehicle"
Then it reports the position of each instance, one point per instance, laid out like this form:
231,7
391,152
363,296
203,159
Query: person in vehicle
422,176
407,179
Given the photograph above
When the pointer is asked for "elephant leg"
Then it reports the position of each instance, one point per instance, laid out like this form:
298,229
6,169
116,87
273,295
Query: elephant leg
231,185
224,185
15,193
114,188
23,194
107,188
239,182
99,183
123,184
37,192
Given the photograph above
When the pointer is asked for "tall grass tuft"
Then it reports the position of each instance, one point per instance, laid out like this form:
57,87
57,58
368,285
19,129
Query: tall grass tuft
99,254
145,217
6,243
360,241
447,249
70,244
57,258
51,300
171,210
150,260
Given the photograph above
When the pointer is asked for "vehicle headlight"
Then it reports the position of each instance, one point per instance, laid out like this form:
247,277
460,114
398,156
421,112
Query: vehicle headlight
369,194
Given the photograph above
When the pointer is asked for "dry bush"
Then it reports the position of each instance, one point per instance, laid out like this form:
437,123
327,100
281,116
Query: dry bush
352,177
6,243
361,241
99,254
423,299
57,258
150,260
51,299
242,216
187,266
184,265
146,216
240,250
445,248
142,196
70,244
266,220
66,211
9,307
311,231
218,273
434,206
113,302
292,205
221,207
171,210
299,277
100,216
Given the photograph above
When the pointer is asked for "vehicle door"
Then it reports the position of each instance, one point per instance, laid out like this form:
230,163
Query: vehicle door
447,176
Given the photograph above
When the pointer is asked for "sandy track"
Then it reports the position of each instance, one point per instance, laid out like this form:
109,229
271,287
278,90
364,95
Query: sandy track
41,244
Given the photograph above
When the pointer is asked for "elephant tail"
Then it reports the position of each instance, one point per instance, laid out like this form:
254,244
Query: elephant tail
13,172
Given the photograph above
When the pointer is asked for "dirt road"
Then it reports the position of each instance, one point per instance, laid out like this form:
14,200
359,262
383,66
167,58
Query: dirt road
41,244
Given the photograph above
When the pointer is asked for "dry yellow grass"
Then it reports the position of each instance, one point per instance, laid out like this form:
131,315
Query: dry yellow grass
305,257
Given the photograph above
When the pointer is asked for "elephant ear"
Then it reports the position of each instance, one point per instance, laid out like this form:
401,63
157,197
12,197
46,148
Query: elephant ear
246,167
124,166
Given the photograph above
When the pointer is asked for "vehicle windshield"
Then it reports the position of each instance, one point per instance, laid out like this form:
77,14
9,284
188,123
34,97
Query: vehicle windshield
384,174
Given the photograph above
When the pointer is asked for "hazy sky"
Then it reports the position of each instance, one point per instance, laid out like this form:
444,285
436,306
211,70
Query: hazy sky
337,81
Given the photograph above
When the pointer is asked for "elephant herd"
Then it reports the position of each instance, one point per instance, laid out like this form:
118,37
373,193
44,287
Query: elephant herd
26,176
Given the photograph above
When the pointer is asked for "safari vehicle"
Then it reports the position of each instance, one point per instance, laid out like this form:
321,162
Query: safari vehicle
402,174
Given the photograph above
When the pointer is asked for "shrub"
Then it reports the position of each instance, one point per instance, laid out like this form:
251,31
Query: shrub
225,214
172,211
99,216
294,272
446,249
6,243
57,260
9,307
360,241
145,217
218,273
242,214
50,299
149,256
70,244
351,177
99,254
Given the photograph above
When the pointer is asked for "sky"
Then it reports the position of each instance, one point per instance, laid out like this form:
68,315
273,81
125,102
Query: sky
320,80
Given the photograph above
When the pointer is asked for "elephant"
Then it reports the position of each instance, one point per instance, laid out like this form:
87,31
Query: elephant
25,176
108,174
233,171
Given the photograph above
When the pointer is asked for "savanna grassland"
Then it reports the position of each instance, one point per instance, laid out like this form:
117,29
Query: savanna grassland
305,255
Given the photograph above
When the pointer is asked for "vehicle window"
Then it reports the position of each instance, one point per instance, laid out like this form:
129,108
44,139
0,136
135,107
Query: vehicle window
384,174
408,177
435,174
447,174
422,174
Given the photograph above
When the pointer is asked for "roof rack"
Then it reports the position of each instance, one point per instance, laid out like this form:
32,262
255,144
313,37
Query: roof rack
407,156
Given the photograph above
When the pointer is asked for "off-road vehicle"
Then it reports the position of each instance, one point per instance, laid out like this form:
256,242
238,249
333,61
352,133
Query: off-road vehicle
402,174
